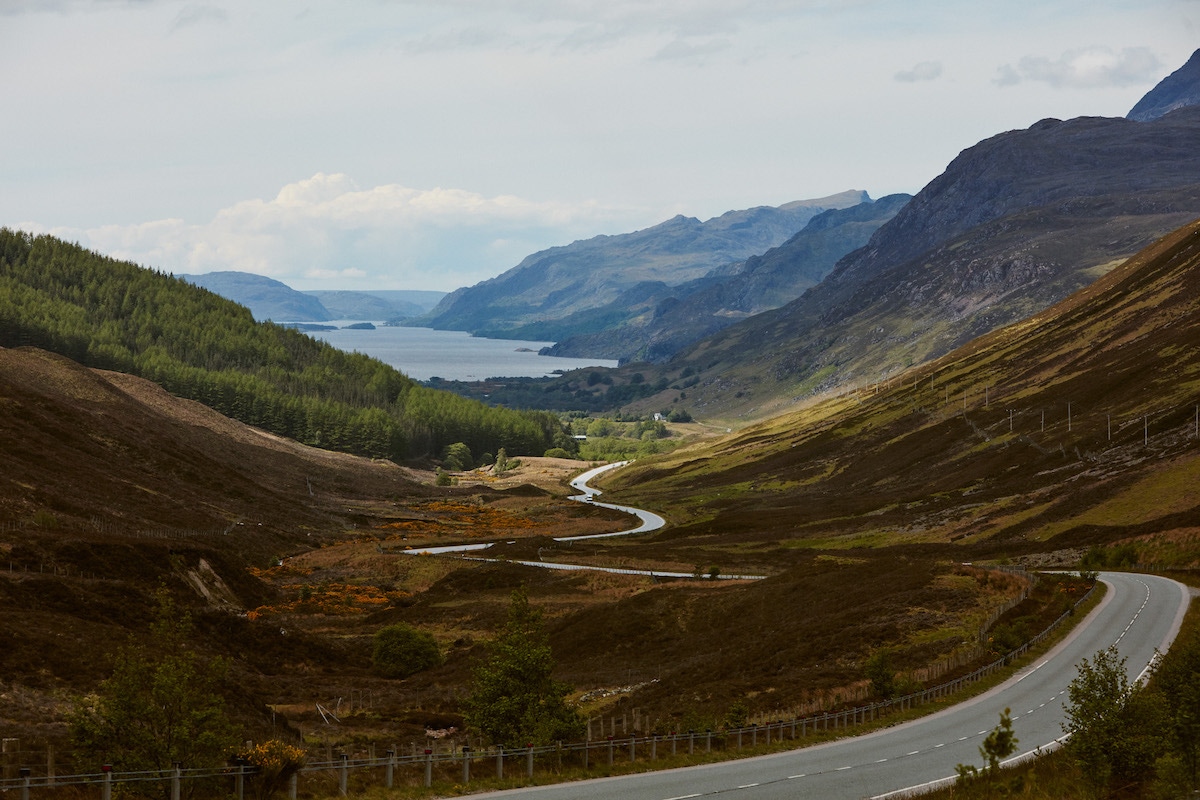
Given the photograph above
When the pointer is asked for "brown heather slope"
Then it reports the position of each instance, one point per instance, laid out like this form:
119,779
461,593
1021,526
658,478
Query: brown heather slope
111,487
88,447
1075,427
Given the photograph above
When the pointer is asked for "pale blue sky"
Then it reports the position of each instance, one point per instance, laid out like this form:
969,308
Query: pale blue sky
430,144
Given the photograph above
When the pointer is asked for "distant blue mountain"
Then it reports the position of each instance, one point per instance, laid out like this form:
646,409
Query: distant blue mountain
265,297
270,299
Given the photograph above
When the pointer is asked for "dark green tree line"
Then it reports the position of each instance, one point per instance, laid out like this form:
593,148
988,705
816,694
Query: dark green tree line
112,314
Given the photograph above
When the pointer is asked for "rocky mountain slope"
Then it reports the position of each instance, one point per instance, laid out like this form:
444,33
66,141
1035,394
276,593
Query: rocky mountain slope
661,323
1178,90
551,294
1014,224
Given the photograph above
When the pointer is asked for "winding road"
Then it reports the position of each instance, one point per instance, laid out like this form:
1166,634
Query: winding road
649,520
1139,615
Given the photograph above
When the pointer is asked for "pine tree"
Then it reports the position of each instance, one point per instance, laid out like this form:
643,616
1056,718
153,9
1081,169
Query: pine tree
514,700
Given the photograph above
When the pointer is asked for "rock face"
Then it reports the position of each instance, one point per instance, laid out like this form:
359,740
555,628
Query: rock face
674,319
557,292
1178,90
1014,224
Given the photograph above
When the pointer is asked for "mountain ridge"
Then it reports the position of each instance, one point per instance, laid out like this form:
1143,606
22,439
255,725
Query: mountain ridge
1014,224
270,299
1180,89
678,316
587,274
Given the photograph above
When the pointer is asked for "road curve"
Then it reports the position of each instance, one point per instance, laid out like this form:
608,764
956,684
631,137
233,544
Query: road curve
1140,614
649,520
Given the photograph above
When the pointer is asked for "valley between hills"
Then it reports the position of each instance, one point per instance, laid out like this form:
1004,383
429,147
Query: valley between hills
896,488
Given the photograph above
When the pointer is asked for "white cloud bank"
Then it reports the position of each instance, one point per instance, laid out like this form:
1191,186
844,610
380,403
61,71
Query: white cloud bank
326,232
1090,68
925,71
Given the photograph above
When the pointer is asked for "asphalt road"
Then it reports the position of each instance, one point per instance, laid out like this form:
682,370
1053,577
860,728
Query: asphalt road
649,521
1139,614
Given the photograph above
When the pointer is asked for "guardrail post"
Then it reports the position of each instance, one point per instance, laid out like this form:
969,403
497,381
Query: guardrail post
428,767
708,740
176,777
754,735
389,768
610,751
293,785
500,763
654,747
24,772
466,756
529,760
587,748
739,738
344,775
633,748
241,780
106,792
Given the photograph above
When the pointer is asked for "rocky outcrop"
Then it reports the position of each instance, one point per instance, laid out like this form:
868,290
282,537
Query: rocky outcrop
1178,90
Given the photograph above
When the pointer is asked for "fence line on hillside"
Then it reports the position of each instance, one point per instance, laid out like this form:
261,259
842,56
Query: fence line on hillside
1068,416
455,763
117,529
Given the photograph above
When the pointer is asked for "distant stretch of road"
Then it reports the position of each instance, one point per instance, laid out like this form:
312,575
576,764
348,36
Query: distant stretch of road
649,520
1139,614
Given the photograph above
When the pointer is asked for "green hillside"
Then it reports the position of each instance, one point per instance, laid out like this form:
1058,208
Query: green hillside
116,315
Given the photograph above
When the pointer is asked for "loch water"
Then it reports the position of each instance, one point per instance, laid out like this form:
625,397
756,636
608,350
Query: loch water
423,353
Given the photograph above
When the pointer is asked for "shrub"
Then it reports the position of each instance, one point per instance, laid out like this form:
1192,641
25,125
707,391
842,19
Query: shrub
402,650
457,457
881,672
1117,729
275,762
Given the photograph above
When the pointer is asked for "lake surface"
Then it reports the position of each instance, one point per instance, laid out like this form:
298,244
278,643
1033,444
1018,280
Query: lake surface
423,353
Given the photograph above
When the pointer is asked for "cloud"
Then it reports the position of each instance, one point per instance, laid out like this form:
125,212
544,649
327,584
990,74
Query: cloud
199,14
690,28
1089,68
684,50
925,71
327,232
